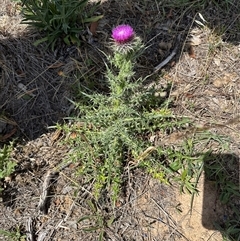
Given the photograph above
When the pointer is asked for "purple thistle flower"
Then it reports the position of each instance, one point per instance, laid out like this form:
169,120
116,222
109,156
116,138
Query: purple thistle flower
122,34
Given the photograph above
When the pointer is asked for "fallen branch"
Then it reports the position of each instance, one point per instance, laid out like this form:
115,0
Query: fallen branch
29,230
46,188
45,192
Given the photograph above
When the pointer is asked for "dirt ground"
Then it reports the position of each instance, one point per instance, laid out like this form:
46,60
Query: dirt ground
35,88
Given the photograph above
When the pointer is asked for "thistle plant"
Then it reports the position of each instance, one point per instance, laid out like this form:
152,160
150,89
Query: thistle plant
112,129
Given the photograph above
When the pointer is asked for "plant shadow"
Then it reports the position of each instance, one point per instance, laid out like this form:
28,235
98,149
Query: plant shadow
221,195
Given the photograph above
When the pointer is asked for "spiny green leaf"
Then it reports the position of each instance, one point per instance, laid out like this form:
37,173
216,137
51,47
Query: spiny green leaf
93,19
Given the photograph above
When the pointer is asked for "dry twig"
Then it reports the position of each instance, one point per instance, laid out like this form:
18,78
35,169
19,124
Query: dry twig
169,58
29,229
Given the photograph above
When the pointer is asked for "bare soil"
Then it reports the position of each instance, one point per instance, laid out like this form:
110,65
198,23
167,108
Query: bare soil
35,88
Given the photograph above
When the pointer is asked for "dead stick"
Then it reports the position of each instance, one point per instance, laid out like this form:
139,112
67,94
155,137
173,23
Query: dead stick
45,191
166,61
29,229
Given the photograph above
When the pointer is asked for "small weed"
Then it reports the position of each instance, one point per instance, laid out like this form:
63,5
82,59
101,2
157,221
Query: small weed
59,19
6,166
231,229
13,235
96,221
224,172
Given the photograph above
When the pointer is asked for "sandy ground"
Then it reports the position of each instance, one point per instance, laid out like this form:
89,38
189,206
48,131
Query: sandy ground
197,222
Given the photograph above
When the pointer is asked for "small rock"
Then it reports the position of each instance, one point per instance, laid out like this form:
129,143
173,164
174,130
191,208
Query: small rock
165,45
